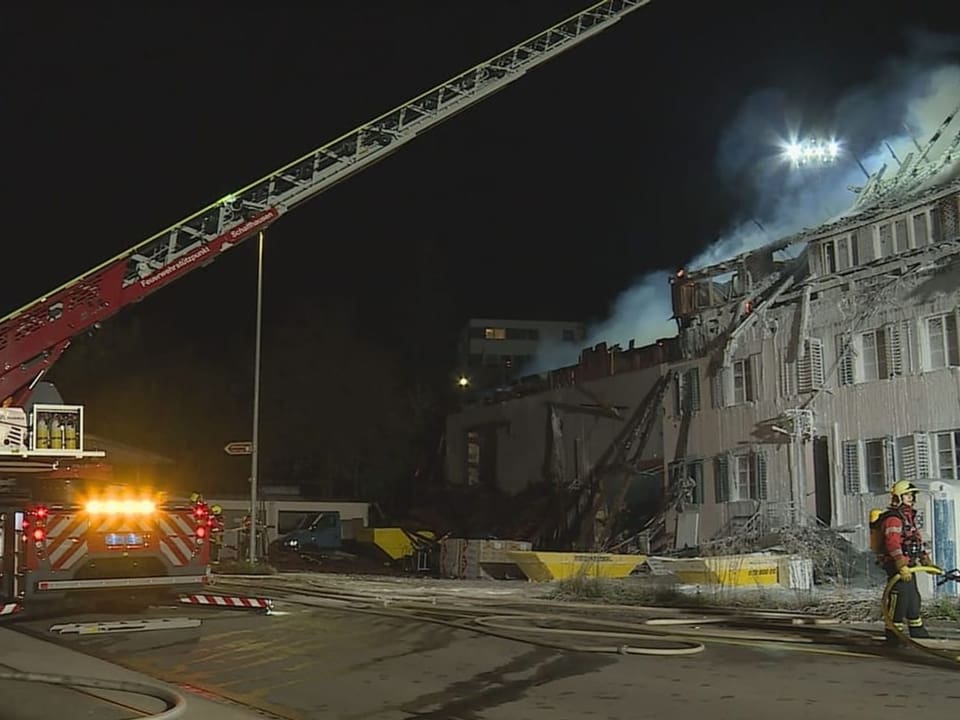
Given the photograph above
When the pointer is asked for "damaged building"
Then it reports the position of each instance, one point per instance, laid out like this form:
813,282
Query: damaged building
818,370
588,435
806,377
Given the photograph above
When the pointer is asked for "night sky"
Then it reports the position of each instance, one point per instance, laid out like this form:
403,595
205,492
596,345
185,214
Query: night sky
545,200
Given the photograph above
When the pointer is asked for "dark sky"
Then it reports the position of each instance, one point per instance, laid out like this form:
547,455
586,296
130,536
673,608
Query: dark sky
547,199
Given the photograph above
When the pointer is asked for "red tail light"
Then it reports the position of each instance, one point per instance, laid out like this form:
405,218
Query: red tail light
201,531
41,512
39,534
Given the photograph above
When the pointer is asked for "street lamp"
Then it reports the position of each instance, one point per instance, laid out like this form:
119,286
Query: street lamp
255,453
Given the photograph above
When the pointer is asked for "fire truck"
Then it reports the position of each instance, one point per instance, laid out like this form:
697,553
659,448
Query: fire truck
62,533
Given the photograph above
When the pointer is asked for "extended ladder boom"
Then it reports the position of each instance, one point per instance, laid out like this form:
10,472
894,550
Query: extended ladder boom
33,337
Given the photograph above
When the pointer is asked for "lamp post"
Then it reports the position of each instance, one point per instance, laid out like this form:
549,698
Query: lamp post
255,454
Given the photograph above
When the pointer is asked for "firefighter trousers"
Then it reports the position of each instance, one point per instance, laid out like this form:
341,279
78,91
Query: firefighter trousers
905,605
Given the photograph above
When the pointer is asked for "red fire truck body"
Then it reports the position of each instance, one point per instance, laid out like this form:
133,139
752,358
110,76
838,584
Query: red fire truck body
121,546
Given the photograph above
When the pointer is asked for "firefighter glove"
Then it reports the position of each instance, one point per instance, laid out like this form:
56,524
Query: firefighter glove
905,574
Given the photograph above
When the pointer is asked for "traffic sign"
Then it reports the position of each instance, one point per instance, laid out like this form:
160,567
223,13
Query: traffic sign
238,448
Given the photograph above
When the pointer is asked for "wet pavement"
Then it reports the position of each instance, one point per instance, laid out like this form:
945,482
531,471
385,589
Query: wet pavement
310,662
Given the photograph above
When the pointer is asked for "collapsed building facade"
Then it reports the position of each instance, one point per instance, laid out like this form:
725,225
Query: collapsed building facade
806,376
588,435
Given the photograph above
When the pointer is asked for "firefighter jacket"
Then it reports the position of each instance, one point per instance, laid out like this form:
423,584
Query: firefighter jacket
902,542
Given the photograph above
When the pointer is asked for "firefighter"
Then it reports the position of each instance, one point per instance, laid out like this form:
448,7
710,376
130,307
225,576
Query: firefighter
903,548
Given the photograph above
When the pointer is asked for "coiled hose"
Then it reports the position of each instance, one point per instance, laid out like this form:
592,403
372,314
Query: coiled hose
174,701
888,616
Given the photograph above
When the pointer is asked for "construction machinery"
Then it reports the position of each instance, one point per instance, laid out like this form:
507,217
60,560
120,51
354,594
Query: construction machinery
60,544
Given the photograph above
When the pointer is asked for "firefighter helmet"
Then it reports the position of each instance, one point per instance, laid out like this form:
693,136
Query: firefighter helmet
903,487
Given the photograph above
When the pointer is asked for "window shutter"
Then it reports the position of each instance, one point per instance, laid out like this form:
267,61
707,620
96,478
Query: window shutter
844,361
893,348
787,375
716,387
759,491
851,468
921,449
810,366
721,479
693,379
890,464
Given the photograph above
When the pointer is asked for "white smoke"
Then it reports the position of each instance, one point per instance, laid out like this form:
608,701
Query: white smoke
909,101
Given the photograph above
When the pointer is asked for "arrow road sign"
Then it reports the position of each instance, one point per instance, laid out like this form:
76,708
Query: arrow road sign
238,448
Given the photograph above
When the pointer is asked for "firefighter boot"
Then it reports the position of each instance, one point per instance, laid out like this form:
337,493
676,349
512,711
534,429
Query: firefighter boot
890,636
917,630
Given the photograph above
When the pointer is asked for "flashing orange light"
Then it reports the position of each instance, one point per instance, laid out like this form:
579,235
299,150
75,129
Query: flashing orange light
121,507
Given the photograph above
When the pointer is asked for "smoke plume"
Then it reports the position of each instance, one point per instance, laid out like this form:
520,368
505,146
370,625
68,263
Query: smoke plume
876,125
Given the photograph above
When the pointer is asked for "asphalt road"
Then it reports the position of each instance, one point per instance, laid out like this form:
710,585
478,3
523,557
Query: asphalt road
308,662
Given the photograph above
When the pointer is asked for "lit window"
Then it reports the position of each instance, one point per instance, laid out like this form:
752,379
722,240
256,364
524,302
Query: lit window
495,333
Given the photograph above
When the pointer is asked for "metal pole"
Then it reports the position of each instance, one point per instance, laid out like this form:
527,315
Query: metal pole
254,455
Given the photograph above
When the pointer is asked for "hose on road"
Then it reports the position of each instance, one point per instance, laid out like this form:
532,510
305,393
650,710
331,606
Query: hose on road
949,655
659,631
174,701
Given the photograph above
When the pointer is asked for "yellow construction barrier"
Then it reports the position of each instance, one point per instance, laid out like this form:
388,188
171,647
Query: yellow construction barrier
546,566
726,570
393,541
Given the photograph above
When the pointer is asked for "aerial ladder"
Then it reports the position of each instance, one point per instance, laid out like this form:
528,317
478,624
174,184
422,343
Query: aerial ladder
49,547
34,337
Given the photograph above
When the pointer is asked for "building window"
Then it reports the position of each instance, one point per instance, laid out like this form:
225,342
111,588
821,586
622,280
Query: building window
744,388
810,366
851,468
881,355
828,257
948,454
495,333
942,341
686,391
885,231
900,231
569,336
878,464
742,476
921,235
874,355
686,480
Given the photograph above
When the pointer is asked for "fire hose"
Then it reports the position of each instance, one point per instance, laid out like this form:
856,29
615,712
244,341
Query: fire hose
888,615
661,631
174,701
679,633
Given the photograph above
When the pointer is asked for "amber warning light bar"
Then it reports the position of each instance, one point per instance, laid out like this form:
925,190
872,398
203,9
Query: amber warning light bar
121,507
